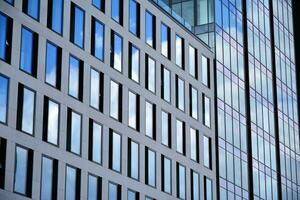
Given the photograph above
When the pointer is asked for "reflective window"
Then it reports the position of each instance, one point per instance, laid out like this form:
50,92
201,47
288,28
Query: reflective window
133,159
32,8
150,120
133,108
194,144
181,181
23,171
75,78
5,37
115,145
205,71
149,198
132,195
72,191
94,187
208,189
193,65
53,65
150,74
77,25
134,17
179,51
26,110
29,44
166,128
195,185
166,84
166,174
180,96
4,82
114,191
55,15
115,100
165,40
134,63
116,51
51,121
180,137
10,2
117,11
100,4
194,102
150,163
207,152
74,132
96,89
95,142
150,29
97,43
206,111
48,178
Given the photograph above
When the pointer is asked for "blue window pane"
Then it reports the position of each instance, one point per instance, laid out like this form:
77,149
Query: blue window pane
181,182
3,30
134,160
116,160
133,17
116,10
97,143
57,16
27,51
71,183
76,133
47,178
74,77
151,168
149,29
32,8
51,64
165,40
3,98
10,1
28,111
21,166
77,26
99,4
167,175
92,188
112,191
117,45
98,40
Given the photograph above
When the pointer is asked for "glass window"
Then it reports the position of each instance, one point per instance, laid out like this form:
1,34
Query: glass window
180,181
179,50
74,132
195,185
96,89
95,142
116,51
51,121
4,83
166,84
133,107
97,43
26,110
114,191
179,93
100,4
206,111
132,195
165,40
11,2
150,120
117,11
32,8
55,15
134,17
166,174
23,171
75,78
134,63
133,159
194,144
115,145
166,129
53,65
149,198
205,71
150,164
115,100
193,65
94,187
48,178
29,43
208,189
207,152
77,25
194,102
72,191
150,29
5,37
150,74
180,137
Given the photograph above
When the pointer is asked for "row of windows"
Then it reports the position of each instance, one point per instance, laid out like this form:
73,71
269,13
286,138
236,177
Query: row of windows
49,175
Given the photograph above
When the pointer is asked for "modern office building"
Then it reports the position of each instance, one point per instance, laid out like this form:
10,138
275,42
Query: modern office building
104,100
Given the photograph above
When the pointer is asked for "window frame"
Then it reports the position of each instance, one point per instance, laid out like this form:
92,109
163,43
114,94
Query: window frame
70,111
120,102
73,8
7,98
8,37
101,90
94,22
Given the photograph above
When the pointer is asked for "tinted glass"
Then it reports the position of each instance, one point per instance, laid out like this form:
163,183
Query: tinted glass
117,52
21,165
116,154
97,143
76,133
114,99
3,98
151,74
53,121
26,63
51,64
149,29
99,4
149,119
95,89
98,39
71,179
47,178
135,64
28,111
3,31
56,16
132,109
74,69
